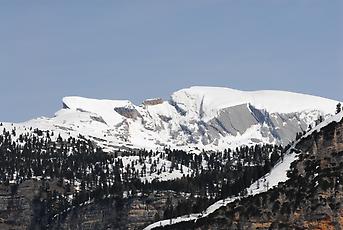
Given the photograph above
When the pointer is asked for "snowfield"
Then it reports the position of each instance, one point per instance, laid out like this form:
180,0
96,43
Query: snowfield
211,99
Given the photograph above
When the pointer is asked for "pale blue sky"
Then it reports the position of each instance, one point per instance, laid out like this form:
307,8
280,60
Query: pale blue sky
140,49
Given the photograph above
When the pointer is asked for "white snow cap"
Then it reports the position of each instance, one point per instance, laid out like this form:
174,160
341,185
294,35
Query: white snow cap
101,107
209,100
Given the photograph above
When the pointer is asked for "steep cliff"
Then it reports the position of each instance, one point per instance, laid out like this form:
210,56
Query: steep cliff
24,206
121,214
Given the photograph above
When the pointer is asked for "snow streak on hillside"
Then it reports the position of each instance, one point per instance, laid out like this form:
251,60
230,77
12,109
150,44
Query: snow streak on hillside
278,174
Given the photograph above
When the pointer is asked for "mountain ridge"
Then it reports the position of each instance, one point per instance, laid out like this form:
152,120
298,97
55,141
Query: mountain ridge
194,118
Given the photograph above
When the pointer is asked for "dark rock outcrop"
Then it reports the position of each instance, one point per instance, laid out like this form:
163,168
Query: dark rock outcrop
127,112
23,207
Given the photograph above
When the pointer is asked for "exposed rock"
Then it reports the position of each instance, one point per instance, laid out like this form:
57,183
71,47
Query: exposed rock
98,119
132,214
17,206
128,112
153,101
233,120
21,208
165,118
64,106
238,119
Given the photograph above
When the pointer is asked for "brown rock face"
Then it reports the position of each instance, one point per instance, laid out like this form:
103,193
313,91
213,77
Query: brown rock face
16,206
21,208
131,214
155,101
326,142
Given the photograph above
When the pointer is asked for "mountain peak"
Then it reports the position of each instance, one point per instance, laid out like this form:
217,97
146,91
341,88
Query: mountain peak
199,117
273,101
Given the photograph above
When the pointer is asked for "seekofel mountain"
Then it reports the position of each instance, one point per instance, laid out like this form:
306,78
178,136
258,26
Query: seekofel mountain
206,158
197,118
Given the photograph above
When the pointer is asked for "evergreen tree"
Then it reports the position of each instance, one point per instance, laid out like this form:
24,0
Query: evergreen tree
338,108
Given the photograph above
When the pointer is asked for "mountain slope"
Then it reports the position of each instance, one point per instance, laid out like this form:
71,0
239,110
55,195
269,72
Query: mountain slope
310,199
278,174
194,118
213,99
62,151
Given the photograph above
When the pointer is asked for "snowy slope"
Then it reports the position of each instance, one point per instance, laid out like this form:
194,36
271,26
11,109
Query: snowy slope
193,119
103,108
210,100
278,174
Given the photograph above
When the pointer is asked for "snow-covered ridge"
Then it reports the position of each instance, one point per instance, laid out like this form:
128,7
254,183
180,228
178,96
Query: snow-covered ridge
212,99
197,118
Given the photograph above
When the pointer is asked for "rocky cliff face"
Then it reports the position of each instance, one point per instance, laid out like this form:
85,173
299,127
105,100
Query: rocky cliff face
312,198
238,119
133,213
23,207
18,209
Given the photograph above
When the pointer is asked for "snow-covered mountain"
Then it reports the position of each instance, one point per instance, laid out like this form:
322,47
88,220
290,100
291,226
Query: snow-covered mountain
193,118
